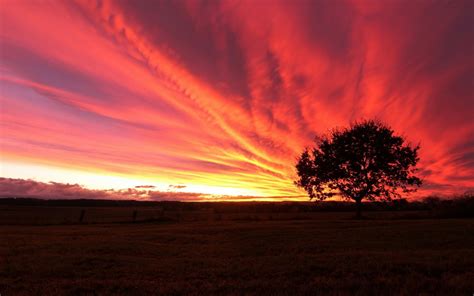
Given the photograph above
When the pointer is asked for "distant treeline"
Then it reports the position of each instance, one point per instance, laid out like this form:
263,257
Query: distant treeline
461,206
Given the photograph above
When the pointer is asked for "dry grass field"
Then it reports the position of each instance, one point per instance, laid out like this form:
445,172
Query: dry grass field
332,255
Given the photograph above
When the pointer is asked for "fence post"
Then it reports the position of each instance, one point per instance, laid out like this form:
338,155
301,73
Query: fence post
81,217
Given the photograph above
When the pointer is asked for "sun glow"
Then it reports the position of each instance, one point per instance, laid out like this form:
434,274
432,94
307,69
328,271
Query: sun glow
98,180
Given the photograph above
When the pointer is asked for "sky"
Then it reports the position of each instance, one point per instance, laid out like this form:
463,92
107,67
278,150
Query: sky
218,98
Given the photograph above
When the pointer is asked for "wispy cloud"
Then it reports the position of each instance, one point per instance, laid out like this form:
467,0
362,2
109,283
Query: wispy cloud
226,93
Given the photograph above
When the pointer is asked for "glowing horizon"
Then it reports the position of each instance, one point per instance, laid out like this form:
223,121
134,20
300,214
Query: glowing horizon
221,97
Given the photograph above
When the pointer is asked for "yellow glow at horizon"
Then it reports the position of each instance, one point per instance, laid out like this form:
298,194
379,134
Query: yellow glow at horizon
90,180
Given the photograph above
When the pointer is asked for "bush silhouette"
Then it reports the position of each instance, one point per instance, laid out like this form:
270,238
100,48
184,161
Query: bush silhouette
364,161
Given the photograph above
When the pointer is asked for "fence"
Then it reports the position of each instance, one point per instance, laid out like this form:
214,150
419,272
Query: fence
49,215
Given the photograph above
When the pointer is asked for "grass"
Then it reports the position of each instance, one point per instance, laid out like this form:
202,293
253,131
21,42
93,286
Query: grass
333,255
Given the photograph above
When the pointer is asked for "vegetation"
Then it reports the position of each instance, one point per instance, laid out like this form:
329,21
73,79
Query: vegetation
41,212
236,248
365,161
329,256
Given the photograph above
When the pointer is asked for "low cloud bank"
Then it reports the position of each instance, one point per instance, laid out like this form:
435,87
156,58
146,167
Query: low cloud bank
52,190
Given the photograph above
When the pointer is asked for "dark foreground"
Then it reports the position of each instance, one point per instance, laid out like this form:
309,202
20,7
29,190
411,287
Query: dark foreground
326,256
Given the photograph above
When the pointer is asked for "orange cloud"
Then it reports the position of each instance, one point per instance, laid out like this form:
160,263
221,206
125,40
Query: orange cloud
226,94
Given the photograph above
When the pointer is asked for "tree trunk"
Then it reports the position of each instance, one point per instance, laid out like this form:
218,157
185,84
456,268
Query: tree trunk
358,208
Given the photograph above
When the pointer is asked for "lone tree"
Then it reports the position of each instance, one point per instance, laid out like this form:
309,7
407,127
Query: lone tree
364,161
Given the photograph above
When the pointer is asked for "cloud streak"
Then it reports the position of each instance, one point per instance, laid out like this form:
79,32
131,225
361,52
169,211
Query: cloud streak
226,94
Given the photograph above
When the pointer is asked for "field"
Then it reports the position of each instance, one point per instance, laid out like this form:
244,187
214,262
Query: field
327,253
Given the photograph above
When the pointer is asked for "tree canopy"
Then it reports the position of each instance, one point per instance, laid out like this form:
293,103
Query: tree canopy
364,161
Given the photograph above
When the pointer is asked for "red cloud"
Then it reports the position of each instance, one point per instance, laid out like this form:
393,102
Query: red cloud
228,93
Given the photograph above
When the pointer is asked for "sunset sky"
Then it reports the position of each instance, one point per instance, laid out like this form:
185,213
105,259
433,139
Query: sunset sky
220,97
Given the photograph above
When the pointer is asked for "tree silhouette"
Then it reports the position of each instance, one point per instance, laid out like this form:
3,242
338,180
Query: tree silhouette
364,161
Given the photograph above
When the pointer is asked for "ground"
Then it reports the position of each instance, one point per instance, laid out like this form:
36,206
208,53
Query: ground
327,256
